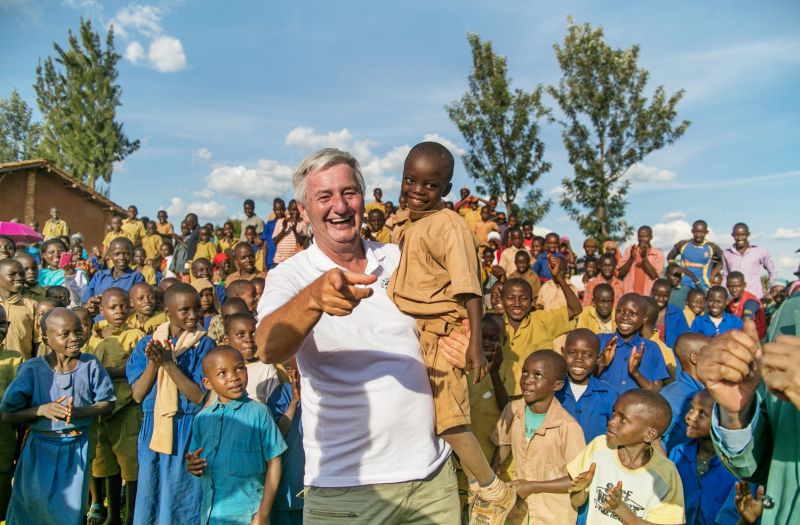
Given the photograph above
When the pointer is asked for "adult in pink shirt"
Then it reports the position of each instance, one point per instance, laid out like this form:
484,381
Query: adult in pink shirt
748,259
641,264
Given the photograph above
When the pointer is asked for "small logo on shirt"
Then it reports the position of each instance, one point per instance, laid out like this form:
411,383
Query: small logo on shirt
384,282
600,501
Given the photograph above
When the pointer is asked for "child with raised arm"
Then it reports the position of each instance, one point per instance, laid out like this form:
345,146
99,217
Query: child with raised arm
235,447
112,342
165,374
543,438
438,283
621,476
58,396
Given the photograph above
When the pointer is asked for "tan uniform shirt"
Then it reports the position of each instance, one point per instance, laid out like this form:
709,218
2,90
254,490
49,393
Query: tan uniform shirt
152,245
542,458
383,235
235,276
135,230
21,314
110,236
532,278
165,229
51,229
472,217
507,259
483,229
113,352
439,260
552,297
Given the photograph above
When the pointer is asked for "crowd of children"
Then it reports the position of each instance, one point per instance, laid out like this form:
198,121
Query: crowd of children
132,392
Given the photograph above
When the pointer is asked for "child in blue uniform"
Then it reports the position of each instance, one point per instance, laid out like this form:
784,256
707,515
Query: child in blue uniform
236,446
717,320
165,374
58,395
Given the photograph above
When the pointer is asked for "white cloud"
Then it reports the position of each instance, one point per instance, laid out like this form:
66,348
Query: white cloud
674,216
205,210
205,194
641,172
454,149
787,265
202,155
166,54
306,138
541,231
267,180
786,233
134,53
557,191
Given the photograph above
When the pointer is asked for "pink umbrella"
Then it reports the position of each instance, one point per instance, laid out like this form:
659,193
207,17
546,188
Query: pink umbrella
19,232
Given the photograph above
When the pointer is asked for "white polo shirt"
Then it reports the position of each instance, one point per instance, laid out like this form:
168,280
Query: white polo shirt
367,410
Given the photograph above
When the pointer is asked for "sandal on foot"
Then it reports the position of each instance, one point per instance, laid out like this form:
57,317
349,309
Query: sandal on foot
97,514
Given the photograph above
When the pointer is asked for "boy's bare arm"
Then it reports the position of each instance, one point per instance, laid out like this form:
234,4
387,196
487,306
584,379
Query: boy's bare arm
626,516
185,385
142,386
335,292
271,481
526,487
501,454
475,358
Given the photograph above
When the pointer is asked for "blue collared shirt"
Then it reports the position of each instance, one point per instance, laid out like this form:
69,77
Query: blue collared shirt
103,280
293,460
704,325
674,325
704,495
542,267
238,439
593,409
679,396
652,366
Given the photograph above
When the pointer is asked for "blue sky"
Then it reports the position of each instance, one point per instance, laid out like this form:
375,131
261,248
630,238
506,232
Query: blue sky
228,97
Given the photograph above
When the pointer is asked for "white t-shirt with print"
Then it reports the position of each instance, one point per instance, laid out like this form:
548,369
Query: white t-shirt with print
367,410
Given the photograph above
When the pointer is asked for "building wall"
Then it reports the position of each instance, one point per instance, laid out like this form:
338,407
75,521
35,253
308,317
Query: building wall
83,214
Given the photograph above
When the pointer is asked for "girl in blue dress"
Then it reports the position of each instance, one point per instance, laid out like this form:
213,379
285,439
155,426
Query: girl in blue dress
57,395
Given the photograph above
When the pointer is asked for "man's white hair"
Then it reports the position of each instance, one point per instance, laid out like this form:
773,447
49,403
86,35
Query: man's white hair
320,160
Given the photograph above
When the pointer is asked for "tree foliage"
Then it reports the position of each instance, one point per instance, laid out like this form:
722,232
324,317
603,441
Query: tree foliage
19,137
608,125
501,127
78,101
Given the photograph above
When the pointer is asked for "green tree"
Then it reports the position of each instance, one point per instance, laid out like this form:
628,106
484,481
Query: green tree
79,101
608,125
501,127
19,137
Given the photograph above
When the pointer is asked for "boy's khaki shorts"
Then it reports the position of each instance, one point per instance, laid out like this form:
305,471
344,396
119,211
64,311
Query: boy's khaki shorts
116,448
448,384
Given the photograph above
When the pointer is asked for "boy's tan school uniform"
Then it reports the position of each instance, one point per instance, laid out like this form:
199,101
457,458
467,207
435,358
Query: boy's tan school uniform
51,229
152,245
235,276
531,278
507,259
21,314
439,260
135,230
545,457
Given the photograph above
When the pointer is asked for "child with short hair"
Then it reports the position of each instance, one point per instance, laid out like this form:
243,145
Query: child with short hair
57,395
202,268
717,320
59,294
530,330
87,323
377,230
206,247
744,304
543,438
208,309
607,265
115,232
628,360
437,282
551,248
621,475
259,283
30,286
120,274
671,322
115,458
145,316
507,257
695,305
226,240
164,227
522,262
588,399
10,360
235,447
240,333
165,374
246,291
599,316
152,241
20,311
216,328
245,264
139,263
707,484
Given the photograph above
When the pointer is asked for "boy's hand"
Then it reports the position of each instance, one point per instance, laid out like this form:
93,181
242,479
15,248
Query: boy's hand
614,497
194,463
93,305
159,354
609,350
294,380
635,359
476,362
749,507
54,411
555,267
497,358
582,481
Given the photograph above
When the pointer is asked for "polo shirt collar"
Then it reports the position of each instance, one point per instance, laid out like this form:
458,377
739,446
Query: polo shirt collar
233,404
554,417
323,263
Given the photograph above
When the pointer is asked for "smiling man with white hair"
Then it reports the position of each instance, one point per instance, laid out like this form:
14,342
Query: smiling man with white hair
367,409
